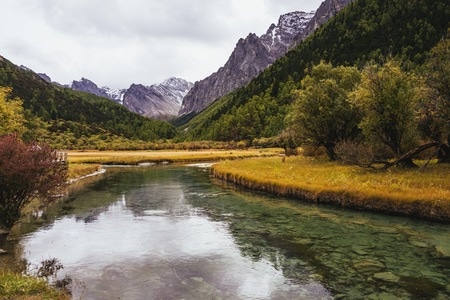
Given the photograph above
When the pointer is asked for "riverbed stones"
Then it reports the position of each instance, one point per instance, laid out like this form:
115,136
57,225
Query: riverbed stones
382,296
443,252
359,250
418,244
368,266
387,276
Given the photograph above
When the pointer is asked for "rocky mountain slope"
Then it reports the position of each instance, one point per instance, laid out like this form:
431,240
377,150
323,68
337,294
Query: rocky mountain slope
327,10
250,56
158,101
86,85
253,54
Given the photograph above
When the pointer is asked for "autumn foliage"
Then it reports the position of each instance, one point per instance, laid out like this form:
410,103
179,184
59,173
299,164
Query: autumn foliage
27,171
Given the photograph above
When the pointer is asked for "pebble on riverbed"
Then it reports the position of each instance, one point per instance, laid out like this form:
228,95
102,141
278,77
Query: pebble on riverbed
368,266
387,276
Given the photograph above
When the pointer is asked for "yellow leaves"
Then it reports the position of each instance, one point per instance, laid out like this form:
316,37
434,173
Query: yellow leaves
12,118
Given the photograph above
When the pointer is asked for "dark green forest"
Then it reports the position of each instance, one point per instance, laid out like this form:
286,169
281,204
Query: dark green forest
51,109
366,31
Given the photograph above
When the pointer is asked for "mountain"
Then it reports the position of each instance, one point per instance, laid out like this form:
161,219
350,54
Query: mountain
254,54
158,101
327,10
250,56
86,85
364,31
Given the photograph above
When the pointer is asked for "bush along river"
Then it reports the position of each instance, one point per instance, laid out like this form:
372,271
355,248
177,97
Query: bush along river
171,232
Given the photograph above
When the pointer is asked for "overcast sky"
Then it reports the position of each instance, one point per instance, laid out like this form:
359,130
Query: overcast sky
119,42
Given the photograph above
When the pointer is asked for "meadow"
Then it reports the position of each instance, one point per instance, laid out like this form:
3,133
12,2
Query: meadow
421,192
171,156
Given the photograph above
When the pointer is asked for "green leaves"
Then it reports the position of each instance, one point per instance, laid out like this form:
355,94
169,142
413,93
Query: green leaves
387,97
321,114
12,118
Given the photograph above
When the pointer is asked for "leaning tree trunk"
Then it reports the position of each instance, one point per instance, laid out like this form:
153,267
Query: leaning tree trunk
406,159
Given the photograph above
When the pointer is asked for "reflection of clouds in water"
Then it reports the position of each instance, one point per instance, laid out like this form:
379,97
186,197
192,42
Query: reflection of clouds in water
158,245
155,196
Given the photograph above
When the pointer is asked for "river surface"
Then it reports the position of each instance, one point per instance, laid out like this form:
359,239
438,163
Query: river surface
171,232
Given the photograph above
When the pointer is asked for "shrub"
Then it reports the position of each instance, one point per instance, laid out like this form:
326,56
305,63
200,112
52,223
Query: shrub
27,171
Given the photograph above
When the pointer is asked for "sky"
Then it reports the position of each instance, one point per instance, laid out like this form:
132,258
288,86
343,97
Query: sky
119,42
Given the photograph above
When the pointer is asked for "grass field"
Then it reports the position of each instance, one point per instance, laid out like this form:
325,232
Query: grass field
136,157
418,192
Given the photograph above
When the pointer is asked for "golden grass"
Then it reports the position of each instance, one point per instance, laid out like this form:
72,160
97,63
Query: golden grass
136,157
18,286
424,193
77,170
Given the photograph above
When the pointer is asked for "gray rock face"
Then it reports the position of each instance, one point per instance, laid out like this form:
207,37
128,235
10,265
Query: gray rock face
45,77
253,54
250,56
327,10
159,101
86,85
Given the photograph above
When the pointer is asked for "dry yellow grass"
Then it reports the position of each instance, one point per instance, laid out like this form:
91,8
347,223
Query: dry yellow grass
77,170
424,193
136,157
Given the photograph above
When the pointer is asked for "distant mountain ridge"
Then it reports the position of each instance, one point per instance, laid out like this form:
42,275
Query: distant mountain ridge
158,101
86,85
250,56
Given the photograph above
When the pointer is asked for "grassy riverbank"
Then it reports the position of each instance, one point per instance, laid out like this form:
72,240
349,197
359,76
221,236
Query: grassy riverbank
137,157
423,193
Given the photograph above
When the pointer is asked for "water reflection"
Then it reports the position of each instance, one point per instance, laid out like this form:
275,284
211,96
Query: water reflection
151,243
168,233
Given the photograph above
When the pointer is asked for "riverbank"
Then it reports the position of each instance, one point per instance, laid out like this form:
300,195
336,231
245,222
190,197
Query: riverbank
417,193
163,157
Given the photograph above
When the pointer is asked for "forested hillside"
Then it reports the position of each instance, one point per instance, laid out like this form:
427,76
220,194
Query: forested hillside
365,31
57,113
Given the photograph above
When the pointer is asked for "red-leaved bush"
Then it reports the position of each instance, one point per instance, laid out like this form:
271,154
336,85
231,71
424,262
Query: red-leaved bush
27,171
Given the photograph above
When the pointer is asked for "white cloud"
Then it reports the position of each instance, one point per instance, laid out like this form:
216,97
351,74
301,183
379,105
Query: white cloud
119,42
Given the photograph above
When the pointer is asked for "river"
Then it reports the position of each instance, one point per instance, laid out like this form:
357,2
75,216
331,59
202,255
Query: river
171,232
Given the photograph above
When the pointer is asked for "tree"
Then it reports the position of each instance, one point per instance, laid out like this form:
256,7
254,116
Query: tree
387,97
12,118
435,108
27,172
322,115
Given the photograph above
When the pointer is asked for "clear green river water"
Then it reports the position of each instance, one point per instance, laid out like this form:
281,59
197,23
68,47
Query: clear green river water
171,232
